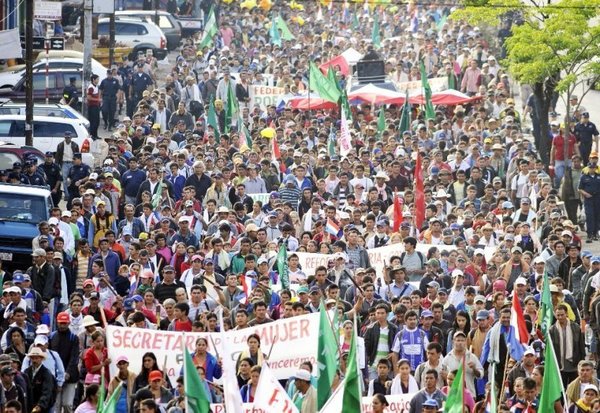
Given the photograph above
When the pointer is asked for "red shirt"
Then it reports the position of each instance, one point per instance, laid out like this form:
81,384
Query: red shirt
558,145
183,325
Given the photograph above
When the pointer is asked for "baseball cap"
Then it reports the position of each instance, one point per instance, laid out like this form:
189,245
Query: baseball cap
426,314
483,315
121,359
433,284
529,351
155,375
63,318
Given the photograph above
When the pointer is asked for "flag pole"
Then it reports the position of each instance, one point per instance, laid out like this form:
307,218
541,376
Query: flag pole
502,392
183,353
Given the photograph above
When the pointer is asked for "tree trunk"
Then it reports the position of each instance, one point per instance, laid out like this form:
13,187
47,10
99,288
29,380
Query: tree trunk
543,94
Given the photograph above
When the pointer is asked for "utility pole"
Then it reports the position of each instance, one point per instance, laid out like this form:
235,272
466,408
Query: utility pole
156,10
87,51
111,39
29,72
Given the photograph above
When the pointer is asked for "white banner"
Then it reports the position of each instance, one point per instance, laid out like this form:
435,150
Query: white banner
437,84
264,198
10,44
377,256
399,403
264,95
290,341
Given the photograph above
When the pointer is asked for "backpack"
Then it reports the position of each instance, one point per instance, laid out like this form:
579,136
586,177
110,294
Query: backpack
196,109
420,254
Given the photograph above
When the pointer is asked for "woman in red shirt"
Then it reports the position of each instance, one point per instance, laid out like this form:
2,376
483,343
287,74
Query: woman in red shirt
96,357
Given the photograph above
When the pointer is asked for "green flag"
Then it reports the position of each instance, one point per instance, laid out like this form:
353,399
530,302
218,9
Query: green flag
546,317
196,394
326,356
429,112
111,404
210,30
211,119
551,383
381,122
452,80
405,118
355,22
346,106
274,32
332,77
286,34
102,394
282,266
441,22
455,400
244,133
352,392
322,85
231,109
375,35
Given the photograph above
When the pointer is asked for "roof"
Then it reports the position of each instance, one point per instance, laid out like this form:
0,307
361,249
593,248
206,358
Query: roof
23,190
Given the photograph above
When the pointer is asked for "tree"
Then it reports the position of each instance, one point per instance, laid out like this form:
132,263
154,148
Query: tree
553,49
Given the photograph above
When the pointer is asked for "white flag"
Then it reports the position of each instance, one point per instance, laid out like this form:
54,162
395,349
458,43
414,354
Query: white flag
231,390
270,397
345,141
335,403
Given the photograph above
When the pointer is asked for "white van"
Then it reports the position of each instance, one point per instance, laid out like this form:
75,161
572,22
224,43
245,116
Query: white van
48,132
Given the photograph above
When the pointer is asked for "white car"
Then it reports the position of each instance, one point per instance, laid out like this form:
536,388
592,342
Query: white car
137,34
48,132
11,78
41,109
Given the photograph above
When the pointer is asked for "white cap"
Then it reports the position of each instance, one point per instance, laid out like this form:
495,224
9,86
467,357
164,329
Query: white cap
53,221
457,272
590,387
520,281
66,214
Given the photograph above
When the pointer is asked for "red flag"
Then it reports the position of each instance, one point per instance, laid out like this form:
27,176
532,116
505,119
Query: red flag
397,213
277,154
419,194
517,320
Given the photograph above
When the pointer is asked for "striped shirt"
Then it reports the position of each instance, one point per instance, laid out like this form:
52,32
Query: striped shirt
383,349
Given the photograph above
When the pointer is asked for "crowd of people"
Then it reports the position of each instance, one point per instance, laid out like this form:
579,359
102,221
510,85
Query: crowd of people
159,232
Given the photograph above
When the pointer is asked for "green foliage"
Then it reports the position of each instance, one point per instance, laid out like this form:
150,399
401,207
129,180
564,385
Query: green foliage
562,38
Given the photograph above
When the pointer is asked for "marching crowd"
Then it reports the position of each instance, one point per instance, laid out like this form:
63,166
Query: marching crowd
164,229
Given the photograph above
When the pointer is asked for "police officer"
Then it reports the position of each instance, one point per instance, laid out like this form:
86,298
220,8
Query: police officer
17,170
71,94
53,177
32,176
77,174
587,134
94,100
139,83
589,188
109,88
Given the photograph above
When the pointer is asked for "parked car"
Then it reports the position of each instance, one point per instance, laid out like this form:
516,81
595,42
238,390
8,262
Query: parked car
22,207
10,153
41,109
138,34
166,21
57,80
48,132
11,78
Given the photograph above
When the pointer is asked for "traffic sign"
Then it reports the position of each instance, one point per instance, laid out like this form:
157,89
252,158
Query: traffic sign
47,10
39,43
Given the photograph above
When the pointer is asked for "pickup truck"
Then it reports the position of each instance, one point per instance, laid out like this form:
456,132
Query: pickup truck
22,207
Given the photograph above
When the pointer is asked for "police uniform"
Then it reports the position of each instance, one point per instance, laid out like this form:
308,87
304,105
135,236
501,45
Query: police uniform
109,87
53,175
139,83
35,179
76,173
71,94
590,183
585,133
